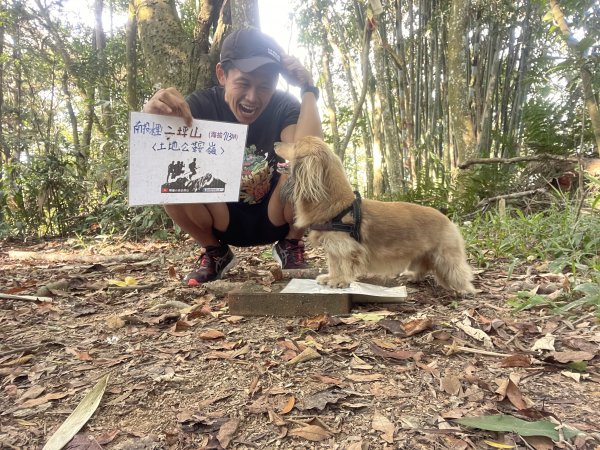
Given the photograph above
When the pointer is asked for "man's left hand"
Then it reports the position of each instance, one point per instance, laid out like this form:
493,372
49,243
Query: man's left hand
294,71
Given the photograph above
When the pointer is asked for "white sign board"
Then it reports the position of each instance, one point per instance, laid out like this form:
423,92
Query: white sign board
308,286
172,163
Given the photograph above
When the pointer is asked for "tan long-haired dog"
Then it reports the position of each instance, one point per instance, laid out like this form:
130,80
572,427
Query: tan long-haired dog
377,238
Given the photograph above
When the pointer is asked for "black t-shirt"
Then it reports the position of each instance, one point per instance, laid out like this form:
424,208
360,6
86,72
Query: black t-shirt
283,110
259,171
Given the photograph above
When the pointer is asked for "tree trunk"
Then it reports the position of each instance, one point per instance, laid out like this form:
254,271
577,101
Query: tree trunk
133,101
165,45
103,78
329,98
462,132
484,137
378,144
244,13
205,55
175,59
363,93
392,148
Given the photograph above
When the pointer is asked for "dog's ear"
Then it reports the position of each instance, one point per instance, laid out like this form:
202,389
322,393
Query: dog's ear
285,150
310,169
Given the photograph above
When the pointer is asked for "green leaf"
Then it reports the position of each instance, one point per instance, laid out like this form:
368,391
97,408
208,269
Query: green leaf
78,417
519,426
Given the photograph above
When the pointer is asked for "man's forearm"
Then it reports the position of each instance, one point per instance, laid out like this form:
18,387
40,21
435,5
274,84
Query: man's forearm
309,121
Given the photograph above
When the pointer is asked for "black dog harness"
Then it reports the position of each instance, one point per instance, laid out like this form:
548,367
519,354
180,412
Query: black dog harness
336,223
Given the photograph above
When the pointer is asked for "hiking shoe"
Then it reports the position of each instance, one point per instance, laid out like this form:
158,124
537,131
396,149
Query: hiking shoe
289,253
215,261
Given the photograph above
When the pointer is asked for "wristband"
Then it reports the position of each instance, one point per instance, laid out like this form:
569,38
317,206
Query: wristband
309,88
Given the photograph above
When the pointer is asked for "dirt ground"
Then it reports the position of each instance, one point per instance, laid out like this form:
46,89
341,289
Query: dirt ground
186,374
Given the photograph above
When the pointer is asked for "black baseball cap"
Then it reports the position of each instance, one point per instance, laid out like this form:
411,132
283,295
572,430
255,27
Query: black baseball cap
249,48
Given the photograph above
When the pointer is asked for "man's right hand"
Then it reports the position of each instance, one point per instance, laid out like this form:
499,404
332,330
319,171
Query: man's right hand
169,102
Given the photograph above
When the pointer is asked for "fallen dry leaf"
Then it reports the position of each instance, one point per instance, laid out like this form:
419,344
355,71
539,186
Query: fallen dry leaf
416,326
82,355
316,322
571,356
516,361
32,392
382,423
313,433
308,354
364,378
320,400
210,334
276,419
326,379
41,400
289,405
450,384
475,333
83,442
545,343
227,431
359,364
399,355
358,445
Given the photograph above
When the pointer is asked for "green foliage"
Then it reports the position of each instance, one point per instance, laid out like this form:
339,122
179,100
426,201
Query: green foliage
568,242
46,198
522,427
556,235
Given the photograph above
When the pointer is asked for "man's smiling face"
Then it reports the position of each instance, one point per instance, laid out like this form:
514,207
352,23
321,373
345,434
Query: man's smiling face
248,93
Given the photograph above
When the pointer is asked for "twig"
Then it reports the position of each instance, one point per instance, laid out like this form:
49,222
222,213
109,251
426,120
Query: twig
453,349
26,298
526,443
542,157
84,259
134,287
487,201
29,349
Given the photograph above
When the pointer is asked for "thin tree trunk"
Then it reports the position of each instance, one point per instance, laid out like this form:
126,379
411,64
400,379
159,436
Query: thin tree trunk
392,149
205,54
462,130
378,145
514,127
103,78
357,107
484,137
133,101
330,100
71,112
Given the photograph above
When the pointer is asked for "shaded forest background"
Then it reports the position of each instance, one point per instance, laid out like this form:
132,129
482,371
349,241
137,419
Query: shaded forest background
412,90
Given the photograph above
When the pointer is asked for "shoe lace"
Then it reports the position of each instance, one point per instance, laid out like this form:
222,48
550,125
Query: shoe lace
297,252
204,261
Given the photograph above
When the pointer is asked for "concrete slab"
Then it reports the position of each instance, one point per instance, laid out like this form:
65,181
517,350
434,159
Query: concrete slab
254,300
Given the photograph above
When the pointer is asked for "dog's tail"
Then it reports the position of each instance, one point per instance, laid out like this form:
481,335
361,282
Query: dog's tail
450,262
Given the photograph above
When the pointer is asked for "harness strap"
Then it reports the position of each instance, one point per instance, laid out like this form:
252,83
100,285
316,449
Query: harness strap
336,223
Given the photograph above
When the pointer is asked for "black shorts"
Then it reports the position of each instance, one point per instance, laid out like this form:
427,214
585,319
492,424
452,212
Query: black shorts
250,225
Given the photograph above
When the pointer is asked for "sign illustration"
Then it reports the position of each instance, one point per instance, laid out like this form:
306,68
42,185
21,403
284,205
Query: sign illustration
172,163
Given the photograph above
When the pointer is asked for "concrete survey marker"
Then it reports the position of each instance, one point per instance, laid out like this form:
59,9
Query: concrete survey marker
301,297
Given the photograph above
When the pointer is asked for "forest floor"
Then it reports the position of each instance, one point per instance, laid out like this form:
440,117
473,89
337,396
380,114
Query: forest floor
186,374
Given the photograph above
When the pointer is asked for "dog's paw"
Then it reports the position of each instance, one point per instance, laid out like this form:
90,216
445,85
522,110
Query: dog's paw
335,283
323,279
328,280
